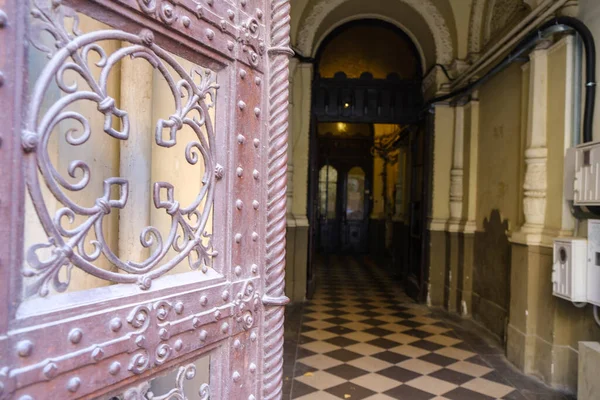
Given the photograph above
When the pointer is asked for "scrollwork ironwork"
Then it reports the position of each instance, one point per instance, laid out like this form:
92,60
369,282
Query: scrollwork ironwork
143,390
245,304
193,93
252,45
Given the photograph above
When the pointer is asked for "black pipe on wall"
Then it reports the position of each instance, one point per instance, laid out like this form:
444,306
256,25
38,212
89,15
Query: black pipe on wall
555,25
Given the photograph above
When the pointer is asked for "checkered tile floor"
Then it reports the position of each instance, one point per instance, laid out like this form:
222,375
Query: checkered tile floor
362,338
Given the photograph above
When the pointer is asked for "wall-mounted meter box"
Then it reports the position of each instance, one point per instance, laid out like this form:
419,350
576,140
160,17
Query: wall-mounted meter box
585,163
593,259
569,270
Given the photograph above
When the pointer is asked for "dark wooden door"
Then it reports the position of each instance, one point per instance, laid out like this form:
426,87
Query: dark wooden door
198,149
330,206
355,211
343,195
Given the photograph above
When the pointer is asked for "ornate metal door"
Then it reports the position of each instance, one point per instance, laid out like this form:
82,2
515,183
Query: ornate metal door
193,307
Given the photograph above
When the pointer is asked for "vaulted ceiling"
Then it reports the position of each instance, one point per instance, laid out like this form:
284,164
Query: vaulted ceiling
442,30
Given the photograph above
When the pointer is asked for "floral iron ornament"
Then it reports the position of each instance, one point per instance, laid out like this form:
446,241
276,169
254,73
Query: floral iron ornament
188,372
193,94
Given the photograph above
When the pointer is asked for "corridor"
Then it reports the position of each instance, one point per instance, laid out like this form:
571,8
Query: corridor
361,337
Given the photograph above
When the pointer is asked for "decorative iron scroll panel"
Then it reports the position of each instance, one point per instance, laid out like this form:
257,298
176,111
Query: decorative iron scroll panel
392,100
147,317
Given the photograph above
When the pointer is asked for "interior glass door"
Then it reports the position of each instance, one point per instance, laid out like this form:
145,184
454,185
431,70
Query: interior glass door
354,226
328,209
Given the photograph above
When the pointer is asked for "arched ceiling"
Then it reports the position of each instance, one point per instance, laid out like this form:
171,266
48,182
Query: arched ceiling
429,23
368,46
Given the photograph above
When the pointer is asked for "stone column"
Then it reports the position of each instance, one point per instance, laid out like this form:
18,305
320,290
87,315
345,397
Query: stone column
454,238
443,122
472,149
536,154
468,222
456,173
136,156
442,163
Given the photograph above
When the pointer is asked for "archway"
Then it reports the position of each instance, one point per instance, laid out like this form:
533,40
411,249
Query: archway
366,104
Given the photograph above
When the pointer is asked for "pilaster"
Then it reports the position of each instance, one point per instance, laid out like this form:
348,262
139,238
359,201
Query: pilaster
442,163
472,148
536,154
456,173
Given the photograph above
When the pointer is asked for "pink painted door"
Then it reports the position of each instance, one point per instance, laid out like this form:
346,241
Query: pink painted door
143,154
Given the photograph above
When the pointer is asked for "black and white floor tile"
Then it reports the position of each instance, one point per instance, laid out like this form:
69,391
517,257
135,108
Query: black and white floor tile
361,337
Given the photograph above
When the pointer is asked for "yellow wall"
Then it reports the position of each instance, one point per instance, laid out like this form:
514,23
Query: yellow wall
500,154
300,135
557,66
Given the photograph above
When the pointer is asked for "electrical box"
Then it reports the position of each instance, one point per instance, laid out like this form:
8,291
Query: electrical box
593,261
569,174
586,185
569,270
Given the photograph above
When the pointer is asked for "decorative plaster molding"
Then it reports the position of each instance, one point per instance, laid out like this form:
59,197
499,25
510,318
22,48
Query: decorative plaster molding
458,67
534,201
536,155
570,9
477,13
469,228
501,13
437,224
426,8
429,80
543,238
297,221
301,221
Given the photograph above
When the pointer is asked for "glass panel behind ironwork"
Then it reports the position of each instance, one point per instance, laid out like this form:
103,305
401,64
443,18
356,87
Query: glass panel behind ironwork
355,192
90,119
328,177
